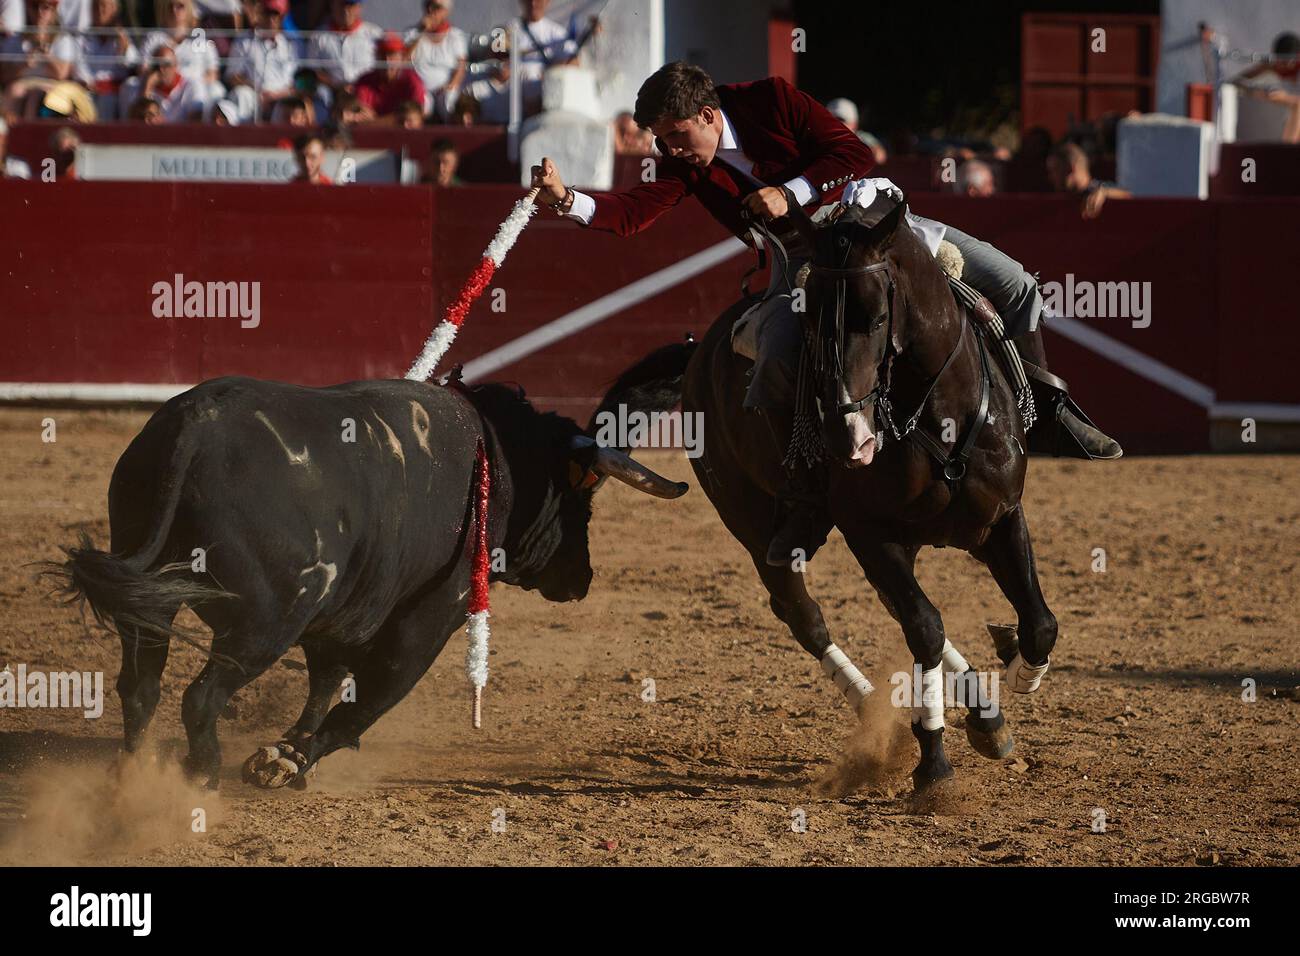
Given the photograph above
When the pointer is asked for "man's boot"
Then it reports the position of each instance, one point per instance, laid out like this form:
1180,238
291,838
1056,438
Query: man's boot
801,520
1092,439
1096,443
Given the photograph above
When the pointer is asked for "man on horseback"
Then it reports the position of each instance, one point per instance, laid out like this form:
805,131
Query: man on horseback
758,151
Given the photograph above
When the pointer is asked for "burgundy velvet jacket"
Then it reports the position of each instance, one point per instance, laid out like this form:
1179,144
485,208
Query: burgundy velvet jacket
784,131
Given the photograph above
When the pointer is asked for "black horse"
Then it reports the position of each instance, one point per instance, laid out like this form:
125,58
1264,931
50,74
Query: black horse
924,445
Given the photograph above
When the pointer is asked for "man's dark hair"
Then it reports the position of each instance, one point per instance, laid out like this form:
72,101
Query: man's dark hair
1286,44
675,91
301,143
443,146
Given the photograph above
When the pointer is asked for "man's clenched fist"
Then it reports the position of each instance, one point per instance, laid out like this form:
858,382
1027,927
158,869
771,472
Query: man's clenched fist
767,203
547,177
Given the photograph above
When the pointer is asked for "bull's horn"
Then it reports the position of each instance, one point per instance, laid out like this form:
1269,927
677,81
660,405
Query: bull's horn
619,464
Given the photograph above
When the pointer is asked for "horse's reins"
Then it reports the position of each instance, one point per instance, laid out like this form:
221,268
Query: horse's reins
953,465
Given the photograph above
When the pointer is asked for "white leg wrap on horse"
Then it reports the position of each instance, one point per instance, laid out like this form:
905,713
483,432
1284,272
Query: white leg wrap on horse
1024,678
852,684
952,659
932,698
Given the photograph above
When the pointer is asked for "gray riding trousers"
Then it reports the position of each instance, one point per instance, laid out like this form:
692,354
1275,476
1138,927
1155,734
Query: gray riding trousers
778,338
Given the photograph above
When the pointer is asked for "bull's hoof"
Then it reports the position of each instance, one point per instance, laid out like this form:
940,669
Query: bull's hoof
273,767
989,736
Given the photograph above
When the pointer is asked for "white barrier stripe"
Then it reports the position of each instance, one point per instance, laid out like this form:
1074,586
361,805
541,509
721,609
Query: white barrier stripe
1139,363
89,391
1261,411
602,308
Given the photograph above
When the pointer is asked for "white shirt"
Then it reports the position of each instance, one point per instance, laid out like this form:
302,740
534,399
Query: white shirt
16,169
349,53
267,63
12,15
729,151
182,104
555,42
436,56
74,14
193,60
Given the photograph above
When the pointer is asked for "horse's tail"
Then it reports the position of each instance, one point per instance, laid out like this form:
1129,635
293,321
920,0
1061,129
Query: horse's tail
653,384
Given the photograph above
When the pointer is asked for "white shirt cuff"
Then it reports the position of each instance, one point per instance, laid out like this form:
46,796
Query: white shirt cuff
584,207
802,189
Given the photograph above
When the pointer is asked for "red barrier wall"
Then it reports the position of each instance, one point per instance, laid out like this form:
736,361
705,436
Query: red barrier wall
353,279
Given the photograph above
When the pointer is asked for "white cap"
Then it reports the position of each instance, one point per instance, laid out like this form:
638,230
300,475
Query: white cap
845,110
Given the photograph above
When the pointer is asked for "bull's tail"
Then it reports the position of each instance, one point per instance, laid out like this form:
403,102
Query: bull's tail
125,591
653,384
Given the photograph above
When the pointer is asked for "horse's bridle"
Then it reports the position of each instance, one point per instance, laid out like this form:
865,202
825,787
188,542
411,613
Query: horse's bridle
829,358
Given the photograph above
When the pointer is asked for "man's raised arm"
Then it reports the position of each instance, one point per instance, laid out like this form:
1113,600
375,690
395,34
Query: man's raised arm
624,213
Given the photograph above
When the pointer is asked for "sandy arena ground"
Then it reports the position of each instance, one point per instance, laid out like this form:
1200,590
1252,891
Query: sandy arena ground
1141,715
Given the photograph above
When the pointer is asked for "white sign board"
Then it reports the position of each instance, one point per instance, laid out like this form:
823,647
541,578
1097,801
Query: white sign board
237,164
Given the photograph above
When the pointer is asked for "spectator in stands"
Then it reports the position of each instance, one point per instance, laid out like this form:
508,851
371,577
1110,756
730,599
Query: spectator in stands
106,59
196,57
349,110
225,113
543,43
293,111
179,99
846,111
975,179
10,167
48,56
410,115
262,65
1027,171
1286,92
309,152
385,88
441,164
145,110
63,150
487,99
347,47
1069,172
630,139
440,55
466,112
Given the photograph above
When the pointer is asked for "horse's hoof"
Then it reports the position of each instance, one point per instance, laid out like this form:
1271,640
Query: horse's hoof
931,788
273,767
926,778
992,742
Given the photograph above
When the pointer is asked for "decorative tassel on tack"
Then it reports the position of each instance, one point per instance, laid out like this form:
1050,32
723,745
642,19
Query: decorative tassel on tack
444,333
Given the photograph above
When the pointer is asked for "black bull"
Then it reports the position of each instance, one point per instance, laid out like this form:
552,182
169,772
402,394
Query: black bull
339,518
